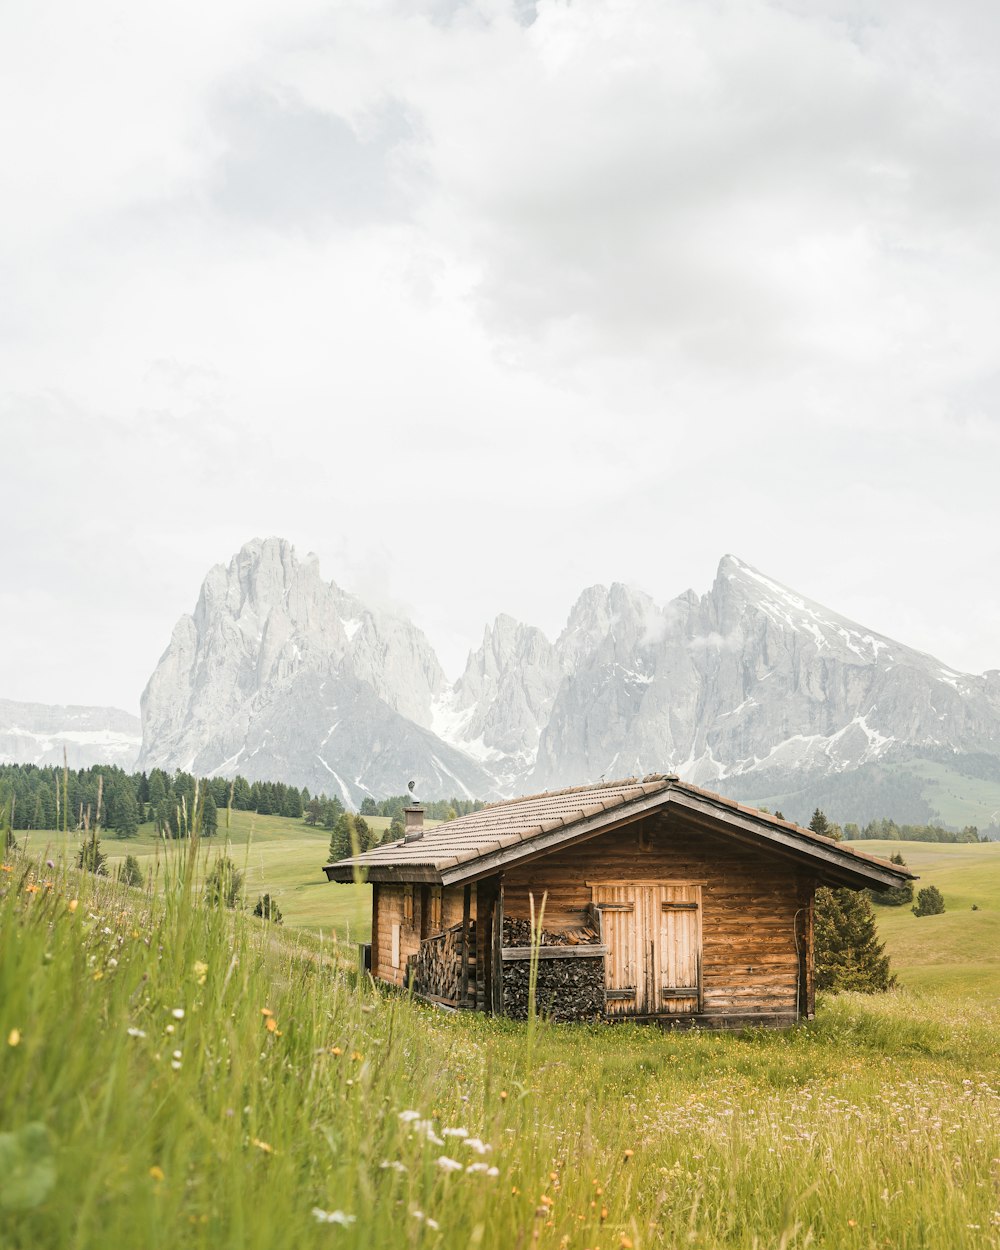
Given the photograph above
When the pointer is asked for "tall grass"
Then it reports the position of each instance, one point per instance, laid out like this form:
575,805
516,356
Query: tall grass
173,1074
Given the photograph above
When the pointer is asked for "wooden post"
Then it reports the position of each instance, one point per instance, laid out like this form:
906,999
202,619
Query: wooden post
466,917
496,995
375,955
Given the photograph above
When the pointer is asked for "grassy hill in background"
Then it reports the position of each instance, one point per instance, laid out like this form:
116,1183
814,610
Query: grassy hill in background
957,952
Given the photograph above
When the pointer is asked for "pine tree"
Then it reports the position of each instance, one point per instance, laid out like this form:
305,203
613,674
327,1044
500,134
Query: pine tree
344,838
130,873
126,815
209,815
848,954
895,896
91,858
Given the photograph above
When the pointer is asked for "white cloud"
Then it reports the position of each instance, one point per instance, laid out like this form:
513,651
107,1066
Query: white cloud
485,302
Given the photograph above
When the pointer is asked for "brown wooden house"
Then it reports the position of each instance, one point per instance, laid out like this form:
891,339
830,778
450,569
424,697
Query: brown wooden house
655,899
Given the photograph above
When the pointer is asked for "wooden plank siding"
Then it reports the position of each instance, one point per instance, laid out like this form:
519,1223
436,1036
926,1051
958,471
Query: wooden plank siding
756,906
412,908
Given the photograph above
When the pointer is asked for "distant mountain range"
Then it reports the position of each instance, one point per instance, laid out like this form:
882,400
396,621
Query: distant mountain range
38,733
750,689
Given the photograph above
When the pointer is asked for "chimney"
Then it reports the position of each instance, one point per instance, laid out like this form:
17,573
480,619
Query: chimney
414,816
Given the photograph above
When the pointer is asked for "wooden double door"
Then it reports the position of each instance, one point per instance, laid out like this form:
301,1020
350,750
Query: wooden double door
653,934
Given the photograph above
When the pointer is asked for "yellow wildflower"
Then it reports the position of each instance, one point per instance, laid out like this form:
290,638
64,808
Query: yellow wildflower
73,904
262,1145
14,1037
156,1173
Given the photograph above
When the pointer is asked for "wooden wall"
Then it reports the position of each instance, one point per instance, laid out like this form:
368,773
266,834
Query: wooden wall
408,907
756,906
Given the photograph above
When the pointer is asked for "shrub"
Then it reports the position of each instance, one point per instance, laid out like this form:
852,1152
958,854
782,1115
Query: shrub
268,909
930,902
224,884
91,857
130,872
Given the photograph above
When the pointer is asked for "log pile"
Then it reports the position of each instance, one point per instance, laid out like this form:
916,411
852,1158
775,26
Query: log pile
518,933
566,989
436,968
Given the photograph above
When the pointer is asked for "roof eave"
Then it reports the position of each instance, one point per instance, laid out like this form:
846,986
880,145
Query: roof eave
345,873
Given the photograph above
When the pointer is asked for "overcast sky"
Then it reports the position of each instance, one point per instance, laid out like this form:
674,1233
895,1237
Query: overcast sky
486,302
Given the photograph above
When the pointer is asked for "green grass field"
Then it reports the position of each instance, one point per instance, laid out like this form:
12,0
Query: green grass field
176,1075
958,951
279,856
123,1124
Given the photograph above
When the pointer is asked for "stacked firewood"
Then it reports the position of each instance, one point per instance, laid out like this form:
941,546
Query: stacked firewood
436,968
518,933
566,989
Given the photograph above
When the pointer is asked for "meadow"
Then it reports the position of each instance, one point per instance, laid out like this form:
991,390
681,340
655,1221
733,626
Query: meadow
172,1074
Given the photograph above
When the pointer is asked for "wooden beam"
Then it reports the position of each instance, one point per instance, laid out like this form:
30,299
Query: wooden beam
583,951
466,918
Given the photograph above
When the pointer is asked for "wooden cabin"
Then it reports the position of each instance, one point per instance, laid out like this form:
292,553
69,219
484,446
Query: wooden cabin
654,899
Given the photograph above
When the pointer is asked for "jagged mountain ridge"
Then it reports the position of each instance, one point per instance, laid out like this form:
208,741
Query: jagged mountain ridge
39,733
280,674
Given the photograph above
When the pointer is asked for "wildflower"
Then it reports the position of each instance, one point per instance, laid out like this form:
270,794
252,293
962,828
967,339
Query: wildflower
626,1242
98,975
177,1054
405,1116
266,1011
357,1056
494,1171
49,863
73,904
628,1155
426,1219
263,1145
271,1024
448,1165
169,1028
112,962
176,1064
394,1165
480,1147
14,1037
503,1095
200,971
455,1132
333,1217
31,889
135,1032
156,1173
337,1050
178,1013
6,867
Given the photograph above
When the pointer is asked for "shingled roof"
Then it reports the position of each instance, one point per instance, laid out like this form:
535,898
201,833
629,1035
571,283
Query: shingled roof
510,832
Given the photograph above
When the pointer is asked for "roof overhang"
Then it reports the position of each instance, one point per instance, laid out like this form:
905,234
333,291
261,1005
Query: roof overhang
831,863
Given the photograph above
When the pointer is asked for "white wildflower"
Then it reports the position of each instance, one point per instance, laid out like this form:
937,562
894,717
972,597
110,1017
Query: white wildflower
455,1132
394,1165
407,1116
426,1219
449,1165
135,1033
178,1013
492,1171
175,1064
480,1147
333,1217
